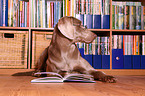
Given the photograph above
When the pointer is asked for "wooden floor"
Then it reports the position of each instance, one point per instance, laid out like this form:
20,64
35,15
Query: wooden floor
21,86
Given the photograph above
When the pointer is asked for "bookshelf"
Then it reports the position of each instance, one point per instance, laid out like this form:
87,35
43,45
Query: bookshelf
100,32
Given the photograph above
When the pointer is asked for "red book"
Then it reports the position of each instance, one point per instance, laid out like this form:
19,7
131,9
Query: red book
27,14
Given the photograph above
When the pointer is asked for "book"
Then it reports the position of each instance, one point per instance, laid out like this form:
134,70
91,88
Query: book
57,78
1,12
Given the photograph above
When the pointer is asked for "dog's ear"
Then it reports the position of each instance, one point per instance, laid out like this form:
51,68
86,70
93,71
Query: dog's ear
65,25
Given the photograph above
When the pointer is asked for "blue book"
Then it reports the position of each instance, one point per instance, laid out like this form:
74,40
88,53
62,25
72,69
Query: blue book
136,61
88,21
55,13
127,61
80,17
96,21
105,22
89,58
5,13
105,61
97,61
142,61
117,58
1,12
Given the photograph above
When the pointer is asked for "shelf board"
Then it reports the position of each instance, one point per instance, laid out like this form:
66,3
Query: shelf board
116,30
42,29
103,30
15,28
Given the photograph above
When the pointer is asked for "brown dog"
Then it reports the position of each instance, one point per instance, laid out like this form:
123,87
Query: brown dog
63,56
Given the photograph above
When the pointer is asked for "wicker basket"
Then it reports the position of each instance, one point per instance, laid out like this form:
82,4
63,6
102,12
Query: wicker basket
13,49
40,41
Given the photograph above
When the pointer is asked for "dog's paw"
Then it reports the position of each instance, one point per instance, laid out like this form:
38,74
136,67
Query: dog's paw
109,79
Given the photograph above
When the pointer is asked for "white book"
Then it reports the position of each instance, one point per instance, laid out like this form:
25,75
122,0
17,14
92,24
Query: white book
57,78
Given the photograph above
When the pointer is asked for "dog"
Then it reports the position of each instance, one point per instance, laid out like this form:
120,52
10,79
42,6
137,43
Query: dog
62,55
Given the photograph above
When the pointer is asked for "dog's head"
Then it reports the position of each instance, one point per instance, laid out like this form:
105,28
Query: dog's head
71,28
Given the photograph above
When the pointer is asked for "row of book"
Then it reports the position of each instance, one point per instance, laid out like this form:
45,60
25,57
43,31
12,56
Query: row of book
45,14
100,46
14,13
131,44
95,14
128,15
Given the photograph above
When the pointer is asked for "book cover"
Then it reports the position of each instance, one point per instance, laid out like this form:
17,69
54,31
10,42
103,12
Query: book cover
88,21
57,78
106,22
105,61
117,59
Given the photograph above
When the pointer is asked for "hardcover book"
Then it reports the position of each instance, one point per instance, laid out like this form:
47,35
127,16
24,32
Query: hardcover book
57,78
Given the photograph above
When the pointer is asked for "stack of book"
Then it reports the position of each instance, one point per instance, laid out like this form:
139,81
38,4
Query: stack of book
14,13
128,15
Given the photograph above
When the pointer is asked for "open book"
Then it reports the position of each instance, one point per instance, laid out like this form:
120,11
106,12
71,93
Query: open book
57,78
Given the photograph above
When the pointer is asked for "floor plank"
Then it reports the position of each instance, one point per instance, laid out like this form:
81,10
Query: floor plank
21,86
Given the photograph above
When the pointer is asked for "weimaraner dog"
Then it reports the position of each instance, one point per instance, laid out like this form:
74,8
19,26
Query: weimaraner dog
63,56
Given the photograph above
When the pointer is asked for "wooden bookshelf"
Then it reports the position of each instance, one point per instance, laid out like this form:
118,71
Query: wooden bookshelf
99,32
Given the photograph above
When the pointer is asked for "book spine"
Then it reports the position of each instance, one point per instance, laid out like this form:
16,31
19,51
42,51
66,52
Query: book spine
126,20
5,13
43,14
27,14
20,14
138,15
144,16
23,13
1,12
121,15
52,14
113,15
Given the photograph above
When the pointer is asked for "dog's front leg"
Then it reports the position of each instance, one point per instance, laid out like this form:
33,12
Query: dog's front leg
101,76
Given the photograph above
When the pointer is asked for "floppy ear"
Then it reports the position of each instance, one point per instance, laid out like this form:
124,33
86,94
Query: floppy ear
65,25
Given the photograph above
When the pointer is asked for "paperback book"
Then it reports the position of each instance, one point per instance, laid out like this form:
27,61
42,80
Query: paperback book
57,78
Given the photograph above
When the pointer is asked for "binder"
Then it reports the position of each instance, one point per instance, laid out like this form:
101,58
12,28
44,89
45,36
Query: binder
96,21
105,61
105,21
117,59
89,58
82,51
142,61
80,17
97,61
136,61
127,61
88,21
